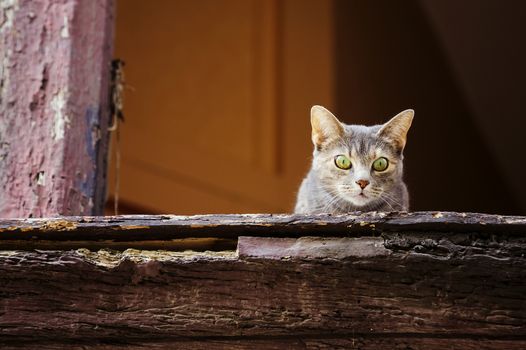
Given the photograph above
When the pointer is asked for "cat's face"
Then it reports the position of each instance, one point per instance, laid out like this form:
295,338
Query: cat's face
356,164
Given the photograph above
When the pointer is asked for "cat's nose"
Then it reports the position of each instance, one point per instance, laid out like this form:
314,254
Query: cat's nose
362,183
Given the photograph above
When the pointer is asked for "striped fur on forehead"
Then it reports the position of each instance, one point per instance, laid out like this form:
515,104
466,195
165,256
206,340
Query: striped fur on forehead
363,143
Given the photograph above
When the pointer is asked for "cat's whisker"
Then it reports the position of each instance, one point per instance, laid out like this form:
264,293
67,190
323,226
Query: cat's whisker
389,204
338,201
330,203
390,201
392,198
329,199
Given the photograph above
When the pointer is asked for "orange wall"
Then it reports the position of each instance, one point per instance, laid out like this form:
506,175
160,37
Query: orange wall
217,109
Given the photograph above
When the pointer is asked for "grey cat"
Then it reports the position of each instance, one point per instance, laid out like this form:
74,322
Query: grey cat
355,167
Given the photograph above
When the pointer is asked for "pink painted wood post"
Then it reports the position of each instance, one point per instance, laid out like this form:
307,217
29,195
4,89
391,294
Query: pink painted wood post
55,60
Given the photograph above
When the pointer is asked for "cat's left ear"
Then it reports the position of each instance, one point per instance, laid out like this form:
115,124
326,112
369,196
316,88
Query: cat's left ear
395,130
325,126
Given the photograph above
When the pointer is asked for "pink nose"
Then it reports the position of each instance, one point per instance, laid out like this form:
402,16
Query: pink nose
362,183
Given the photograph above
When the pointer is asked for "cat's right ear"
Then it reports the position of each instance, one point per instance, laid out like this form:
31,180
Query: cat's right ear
395,130
325,126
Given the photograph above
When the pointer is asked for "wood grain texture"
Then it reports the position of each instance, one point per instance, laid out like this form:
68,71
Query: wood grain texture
54,87
352,342
166,227
397,286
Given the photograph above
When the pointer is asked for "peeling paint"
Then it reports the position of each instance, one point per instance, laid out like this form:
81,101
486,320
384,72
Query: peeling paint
112,259
58,104
16,228
64,32
8,9
47,82
4,148
41,178
58,225
86,186
92,131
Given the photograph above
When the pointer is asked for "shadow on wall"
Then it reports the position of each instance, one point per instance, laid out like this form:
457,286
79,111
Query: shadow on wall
389,58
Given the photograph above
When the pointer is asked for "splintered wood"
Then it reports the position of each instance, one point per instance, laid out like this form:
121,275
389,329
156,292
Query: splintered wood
365,281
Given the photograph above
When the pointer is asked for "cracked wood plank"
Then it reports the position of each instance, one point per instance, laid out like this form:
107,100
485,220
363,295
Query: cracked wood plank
134,228
54,89
404,289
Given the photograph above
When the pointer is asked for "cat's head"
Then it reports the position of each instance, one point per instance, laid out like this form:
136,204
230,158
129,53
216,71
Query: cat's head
359,165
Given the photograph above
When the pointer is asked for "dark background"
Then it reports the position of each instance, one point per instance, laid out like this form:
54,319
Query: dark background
460,65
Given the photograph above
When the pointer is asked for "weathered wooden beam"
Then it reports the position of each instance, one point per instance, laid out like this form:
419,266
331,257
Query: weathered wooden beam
391,285
357,341
55,60
444,291
168,227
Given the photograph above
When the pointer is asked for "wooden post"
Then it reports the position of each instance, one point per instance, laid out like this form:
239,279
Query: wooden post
55,60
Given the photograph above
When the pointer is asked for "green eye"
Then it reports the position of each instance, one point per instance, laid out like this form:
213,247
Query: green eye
342,162
380,164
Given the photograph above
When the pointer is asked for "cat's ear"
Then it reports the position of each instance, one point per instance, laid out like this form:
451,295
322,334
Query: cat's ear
395,130
325,126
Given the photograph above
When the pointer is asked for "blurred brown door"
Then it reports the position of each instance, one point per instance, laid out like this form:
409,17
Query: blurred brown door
218,102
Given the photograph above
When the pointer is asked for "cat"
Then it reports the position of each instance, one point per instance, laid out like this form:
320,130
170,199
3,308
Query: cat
355,167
